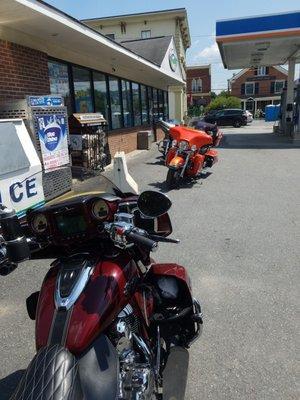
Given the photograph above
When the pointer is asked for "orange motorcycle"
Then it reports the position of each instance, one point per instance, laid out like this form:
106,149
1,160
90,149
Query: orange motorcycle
189,154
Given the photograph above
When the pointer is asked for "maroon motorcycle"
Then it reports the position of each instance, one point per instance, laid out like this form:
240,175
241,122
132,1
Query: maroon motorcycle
110,322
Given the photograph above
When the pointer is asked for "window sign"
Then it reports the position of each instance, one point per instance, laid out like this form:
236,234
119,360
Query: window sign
100,94
249,88
59,81
136,104
126,98
115,103
82,90
52,133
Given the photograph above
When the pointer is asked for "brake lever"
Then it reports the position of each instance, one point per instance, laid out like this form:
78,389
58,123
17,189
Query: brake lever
158,238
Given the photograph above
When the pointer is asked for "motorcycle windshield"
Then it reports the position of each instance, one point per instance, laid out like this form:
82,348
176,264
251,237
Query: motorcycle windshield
93,181
87,182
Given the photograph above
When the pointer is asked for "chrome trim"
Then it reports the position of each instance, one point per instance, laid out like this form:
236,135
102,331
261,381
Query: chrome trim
185,165
69,301
142,345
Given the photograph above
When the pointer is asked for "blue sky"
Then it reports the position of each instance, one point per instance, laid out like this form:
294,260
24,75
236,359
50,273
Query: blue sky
202,21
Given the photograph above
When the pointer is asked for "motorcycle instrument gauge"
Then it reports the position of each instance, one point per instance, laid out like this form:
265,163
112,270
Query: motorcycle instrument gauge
100,209
39,223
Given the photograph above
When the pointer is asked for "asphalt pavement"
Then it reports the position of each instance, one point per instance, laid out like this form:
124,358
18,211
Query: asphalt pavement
240,232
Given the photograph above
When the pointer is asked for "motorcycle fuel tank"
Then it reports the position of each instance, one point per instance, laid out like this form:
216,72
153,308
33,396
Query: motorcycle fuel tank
80,298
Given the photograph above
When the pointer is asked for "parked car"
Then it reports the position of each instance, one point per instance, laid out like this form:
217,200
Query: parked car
230,117
249,116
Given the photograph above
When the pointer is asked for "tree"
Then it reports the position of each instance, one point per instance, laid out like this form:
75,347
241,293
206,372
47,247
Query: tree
224,100
213,95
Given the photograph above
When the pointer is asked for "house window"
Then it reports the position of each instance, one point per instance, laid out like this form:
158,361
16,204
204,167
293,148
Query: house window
196,85
249,88
110,36
146,34
261,71
279,85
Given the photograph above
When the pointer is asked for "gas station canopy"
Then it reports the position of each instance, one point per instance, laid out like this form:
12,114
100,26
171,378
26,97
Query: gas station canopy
259,41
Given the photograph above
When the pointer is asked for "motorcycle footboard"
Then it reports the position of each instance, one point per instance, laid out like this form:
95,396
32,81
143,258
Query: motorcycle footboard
175,374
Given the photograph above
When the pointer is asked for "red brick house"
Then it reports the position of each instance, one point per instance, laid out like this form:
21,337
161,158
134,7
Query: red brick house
198,88
258,87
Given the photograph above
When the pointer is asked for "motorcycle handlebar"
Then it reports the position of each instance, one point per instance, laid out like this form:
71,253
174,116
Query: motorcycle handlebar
149,244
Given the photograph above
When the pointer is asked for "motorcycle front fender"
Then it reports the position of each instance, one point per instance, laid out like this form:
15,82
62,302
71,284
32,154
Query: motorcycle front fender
176,162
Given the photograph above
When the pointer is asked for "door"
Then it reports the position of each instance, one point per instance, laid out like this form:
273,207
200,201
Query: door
221,118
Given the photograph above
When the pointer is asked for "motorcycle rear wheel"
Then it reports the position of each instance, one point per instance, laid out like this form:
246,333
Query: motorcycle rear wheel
172,180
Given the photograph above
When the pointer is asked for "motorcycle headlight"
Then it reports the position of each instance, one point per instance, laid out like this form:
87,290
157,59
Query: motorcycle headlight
183,145
204,149
194,147
174,143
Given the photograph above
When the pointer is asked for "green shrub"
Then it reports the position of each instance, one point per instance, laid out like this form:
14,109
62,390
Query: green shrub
224,101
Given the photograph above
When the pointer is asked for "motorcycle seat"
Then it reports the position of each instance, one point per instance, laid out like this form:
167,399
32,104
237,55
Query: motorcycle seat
51,375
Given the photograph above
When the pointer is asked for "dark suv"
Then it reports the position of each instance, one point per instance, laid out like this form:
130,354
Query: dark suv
230,116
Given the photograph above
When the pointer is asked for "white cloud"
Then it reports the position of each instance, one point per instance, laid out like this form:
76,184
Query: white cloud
210,53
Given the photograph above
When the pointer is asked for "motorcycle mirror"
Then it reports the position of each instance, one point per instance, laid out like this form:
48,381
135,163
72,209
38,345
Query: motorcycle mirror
153,204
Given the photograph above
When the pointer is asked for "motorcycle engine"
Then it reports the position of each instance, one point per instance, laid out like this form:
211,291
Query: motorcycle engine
137,381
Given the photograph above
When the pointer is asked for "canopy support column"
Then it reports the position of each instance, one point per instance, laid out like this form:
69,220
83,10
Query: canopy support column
176,102
289,126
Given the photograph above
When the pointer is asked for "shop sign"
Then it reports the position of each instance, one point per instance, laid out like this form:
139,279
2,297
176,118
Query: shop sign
260,78
173,61
52,133
45,101
23,191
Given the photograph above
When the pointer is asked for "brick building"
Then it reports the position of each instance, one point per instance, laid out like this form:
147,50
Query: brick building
258,87
198,84
45,51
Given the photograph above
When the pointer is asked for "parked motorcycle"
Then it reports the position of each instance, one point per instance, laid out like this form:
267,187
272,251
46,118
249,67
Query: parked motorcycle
165,144
200,125
190,153
110,322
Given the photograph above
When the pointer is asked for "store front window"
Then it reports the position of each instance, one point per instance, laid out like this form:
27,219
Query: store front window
100,94
115,103
59,81
123,103
160,104
155,105
82,90
166,106
126,98
136,103
144,101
